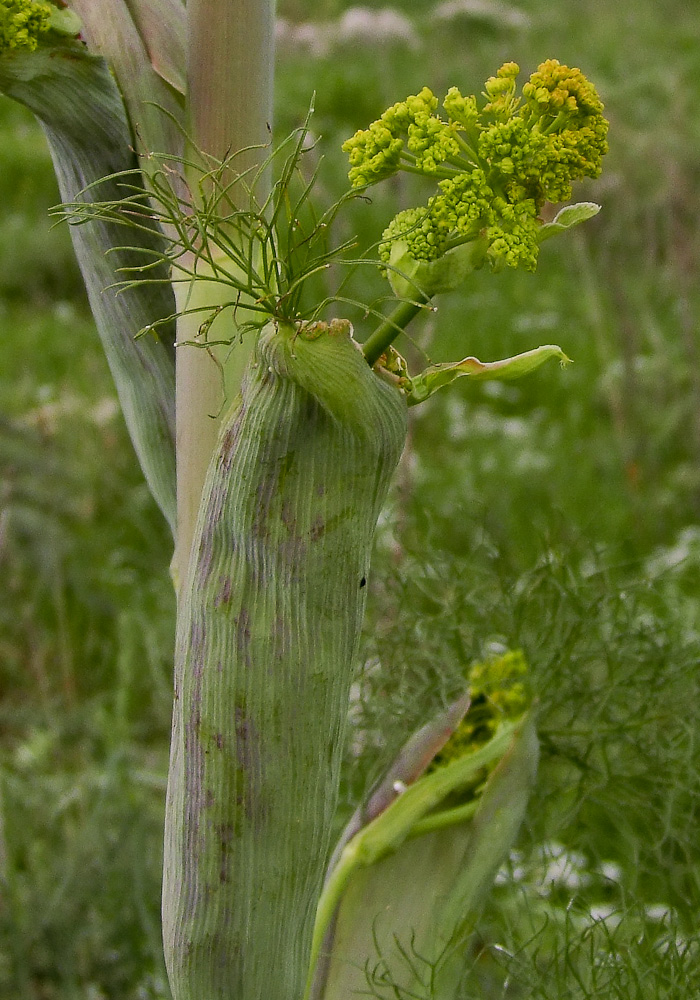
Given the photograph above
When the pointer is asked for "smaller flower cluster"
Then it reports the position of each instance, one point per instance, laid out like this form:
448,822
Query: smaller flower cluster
408,132
495,167
22,22
498,695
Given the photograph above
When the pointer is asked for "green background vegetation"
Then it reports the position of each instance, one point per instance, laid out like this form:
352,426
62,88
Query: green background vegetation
558,515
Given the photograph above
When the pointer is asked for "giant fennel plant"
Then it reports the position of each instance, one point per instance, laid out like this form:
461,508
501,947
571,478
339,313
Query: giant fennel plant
199,247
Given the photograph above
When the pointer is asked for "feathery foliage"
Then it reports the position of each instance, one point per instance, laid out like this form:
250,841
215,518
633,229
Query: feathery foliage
224,228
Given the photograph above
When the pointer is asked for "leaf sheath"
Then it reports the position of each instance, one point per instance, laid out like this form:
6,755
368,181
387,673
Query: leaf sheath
268,628
80,109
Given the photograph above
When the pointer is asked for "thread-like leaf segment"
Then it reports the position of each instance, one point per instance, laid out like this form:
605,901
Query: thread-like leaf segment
268,628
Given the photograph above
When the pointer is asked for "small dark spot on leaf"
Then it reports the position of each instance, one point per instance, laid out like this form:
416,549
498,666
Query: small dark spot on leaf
363,581
225,834
224,594
317,528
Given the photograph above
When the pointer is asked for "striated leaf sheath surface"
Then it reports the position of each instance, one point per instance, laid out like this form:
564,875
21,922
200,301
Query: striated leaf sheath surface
268,628
74,96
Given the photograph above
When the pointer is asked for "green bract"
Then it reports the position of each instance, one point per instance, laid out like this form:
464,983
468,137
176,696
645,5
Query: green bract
448,808
434,377
412,277
495,167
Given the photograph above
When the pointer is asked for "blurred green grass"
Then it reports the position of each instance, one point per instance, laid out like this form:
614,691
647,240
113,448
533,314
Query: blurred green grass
558,514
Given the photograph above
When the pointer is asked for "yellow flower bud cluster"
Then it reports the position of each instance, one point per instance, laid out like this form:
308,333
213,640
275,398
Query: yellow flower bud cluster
498,694
495,166
22,22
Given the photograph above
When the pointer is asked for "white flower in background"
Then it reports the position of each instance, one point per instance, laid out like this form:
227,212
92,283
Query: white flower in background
562,868
658,913
610,871
360,24
357,26
500,14
316,39
606,913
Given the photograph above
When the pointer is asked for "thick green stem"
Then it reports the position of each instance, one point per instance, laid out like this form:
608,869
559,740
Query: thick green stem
387,332
230,64
230,49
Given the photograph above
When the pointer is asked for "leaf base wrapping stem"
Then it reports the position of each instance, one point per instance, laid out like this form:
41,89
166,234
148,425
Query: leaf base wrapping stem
269,620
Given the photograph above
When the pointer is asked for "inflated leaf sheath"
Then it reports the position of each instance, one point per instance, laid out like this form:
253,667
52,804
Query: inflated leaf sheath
143,41
404,921
77,102
269,621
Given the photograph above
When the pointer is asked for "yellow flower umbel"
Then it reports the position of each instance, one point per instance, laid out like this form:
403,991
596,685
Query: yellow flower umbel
22,22
495,166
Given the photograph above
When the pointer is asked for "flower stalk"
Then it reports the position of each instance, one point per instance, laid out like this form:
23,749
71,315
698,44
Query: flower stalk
386,333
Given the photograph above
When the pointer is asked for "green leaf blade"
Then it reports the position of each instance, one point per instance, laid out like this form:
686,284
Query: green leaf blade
139,50
567,218
436,376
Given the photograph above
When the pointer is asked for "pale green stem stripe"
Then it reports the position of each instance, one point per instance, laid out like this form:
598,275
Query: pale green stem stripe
230,73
